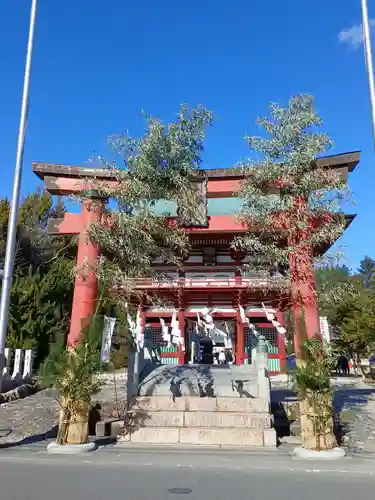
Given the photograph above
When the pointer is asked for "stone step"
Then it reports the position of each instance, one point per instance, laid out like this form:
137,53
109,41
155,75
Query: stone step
228,437
221,404
201,436
227,419
142,418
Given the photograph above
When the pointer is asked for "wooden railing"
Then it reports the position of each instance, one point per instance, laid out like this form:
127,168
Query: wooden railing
242,282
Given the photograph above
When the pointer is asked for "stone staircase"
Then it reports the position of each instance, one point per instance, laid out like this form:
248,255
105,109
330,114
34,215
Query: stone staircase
200,405
219,421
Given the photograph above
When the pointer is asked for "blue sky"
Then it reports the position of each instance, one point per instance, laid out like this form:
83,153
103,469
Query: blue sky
98,64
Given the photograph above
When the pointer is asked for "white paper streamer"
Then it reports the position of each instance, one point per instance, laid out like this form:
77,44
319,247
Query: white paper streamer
136,329
165,332
139,333
271,317
243,316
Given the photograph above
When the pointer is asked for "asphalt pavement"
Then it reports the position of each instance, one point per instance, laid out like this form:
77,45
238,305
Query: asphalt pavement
169,475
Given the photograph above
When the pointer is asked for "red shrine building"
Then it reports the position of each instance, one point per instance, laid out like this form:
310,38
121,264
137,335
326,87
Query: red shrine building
211,277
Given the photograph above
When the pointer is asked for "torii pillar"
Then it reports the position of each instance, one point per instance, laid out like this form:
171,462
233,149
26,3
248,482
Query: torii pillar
280,317
240,339
304,302
86,283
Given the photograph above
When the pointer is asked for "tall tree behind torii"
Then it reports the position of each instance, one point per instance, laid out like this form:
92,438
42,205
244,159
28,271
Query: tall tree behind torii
292,206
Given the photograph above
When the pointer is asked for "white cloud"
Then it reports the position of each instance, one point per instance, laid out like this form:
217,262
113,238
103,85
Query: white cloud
353,36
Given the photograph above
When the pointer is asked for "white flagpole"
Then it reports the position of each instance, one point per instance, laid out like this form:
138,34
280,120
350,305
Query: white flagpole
369,63
13,217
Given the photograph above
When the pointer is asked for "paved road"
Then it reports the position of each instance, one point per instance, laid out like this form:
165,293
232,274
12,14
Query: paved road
141,475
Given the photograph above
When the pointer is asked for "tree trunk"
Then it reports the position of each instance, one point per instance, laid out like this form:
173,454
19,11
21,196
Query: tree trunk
73,423
78,431
317,422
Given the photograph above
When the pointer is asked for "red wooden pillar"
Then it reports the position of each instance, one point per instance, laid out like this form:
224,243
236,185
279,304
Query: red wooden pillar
304,301
142,314
86,285
280,317
181,324
310,307
240,340
297,318
304,305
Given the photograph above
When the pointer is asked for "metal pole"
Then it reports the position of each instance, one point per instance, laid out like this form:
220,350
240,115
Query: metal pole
13,217
368,60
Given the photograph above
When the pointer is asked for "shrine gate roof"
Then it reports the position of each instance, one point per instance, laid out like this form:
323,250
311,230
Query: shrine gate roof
221,183
346,162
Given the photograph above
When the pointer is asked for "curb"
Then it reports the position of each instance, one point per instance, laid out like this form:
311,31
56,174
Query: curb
306,454
71,449
264,451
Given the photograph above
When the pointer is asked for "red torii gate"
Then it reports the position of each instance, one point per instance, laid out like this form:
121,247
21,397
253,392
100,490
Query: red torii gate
65,180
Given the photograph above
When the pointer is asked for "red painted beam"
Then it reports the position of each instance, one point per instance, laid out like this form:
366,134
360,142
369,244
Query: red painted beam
70,224
56,184
69,185
223,188
269,355
219,224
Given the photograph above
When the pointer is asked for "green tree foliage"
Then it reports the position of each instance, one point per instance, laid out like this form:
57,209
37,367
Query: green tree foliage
333,288
292,205
122,341
291,202
40,306
366,270
355,323
348,300
42,286
161,165
331,274
4,217
33,244
285,189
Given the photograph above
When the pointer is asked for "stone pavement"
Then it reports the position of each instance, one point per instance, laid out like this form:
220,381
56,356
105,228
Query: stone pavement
35,417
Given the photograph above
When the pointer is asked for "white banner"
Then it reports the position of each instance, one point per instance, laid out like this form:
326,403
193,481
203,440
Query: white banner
324,328
108,329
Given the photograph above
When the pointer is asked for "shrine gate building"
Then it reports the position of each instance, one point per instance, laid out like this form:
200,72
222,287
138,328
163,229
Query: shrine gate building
211,277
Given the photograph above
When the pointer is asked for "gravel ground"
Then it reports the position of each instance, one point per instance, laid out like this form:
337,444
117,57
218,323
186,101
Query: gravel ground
354,401
357,409
35,417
